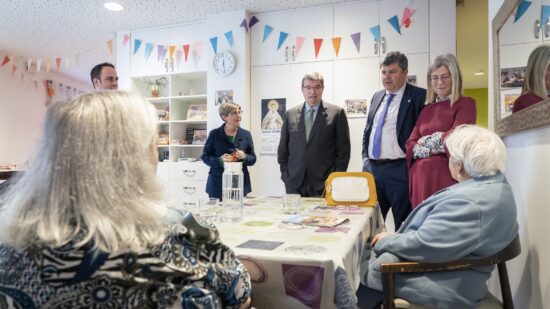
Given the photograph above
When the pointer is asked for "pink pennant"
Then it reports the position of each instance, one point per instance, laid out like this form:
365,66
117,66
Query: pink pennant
186,51
406,19
299,43
125,39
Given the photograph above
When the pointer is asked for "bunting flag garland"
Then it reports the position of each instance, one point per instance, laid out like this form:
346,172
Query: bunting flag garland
522,8
299,43
48,65
186,51
336,43
57,63
282,38
125,39
159,52
137,44
254,20
229,37
317,43
376,33
38,65
148,50
214,43
267,32
110,46
356,38
244,24
394,22
406,19
545,11
6,60
172,49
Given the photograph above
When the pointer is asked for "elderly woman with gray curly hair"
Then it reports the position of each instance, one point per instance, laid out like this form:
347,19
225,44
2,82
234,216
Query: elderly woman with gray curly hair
474,218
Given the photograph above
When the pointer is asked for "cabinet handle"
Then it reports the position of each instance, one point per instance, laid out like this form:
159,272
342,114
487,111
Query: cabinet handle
190,190
293,53
383,45
375,47
537,29
190,173
286,53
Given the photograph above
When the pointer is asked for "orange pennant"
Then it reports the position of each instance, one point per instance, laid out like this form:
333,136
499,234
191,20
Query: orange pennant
336,43
172,49
58,62
110,46
186,51
6,60
317,43
13,69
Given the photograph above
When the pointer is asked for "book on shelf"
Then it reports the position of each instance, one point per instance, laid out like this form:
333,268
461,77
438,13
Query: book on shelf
322,221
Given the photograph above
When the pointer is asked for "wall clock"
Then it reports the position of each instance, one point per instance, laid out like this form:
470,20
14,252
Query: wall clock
224,63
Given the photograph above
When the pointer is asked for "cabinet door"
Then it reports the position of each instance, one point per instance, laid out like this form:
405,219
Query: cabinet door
350,18
418,68
415,38
312,23
268,82
364,86
266,52
526,29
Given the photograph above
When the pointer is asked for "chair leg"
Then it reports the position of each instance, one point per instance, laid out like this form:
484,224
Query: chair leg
507,302
389,292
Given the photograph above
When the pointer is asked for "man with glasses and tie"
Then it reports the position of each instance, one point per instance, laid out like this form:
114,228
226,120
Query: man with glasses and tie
391,119
314,141
104,77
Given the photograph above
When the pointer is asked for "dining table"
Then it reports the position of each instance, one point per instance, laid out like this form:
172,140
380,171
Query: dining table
296,265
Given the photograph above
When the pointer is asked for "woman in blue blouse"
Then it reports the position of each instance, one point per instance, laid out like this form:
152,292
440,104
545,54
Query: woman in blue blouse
228,143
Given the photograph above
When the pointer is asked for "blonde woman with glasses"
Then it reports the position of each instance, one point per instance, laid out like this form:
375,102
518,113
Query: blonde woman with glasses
446,108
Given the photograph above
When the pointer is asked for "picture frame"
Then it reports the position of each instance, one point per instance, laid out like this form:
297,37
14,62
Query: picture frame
197,112
223,96
199,137
356,108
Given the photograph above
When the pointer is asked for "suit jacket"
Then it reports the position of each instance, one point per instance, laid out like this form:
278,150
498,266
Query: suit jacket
218,145
327,150
471,219
410,107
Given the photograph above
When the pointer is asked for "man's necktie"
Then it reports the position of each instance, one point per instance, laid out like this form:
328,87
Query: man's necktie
378,133
309,122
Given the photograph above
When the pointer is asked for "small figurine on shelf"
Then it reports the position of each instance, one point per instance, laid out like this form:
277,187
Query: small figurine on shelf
156,86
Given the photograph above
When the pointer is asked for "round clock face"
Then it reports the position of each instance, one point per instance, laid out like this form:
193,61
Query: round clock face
224,63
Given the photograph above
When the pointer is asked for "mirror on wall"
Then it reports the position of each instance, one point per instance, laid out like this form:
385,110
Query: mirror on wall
519,29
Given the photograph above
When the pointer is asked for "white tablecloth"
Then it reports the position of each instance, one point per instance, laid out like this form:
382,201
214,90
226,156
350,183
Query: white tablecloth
298,266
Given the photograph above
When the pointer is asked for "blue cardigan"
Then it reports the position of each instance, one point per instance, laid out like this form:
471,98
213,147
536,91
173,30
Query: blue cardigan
217,145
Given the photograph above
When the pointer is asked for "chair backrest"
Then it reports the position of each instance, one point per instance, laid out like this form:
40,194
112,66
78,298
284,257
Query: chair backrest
350,188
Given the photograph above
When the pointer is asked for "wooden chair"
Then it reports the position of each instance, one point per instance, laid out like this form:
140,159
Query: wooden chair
389,270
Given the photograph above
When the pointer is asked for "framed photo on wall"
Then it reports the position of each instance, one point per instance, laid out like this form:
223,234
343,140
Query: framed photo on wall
197,112
199,137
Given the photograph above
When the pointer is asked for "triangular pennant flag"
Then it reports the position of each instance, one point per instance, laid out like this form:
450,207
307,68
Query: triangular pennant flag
229,37
38,65
356,38
317,43
376,33
48,65
57,63
125,39
67,64
172,50
160,48
186,51
394,22
137,45
214,43
522,8
244,24
267,32
282,38
178,58
406,19
6,60
254,20
110,46
29,63
545,11
336,43
299,43
148,50
13,69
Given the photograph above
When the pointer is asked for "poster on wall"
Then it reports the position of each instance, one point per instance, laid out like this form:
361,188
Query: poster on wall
56,91
512,77
223,96
273,115
357,108
507,98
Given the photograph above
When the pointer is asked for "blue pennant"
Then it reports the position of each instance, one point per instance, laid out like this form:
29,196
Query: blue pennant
229,38
137,44
214,42
394,21
267,32
282,38
522,8
376,33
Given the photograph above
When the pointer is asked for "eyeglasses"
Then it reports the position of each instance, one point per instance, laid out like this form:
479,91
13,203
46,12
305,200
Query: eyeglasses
235,113
316,88
435,78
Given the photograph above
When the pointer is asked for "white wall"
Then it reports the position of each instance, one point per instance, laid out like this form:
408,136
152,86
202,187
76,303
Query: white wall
527,171
22,112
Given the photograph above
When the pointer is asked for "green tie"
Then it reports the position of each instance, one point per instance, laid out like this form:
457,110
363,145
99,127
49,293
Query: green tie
309,122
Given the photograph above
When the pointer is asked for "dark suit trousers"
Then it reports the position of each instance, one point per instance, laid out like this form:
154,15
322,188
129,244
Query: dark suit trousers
306,189
392,188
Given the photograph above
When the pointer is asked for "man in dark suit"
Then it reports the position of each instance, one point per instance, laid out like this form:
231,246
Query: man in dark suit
391,119
314,141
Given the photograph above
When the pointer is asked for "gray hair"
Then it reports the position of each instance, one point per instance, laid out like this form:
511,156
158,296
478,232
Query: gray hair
449,61
538,62
480,150
315,77
397,58
227,107
92,180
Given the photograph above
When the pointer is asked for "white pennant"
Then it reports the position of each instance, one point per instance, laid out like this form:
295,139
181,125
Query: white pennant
38,65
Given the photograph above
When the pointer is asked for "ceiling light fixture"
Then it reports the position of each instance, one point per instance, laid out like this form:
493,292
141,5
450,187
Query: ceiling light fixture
113,6
479,73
